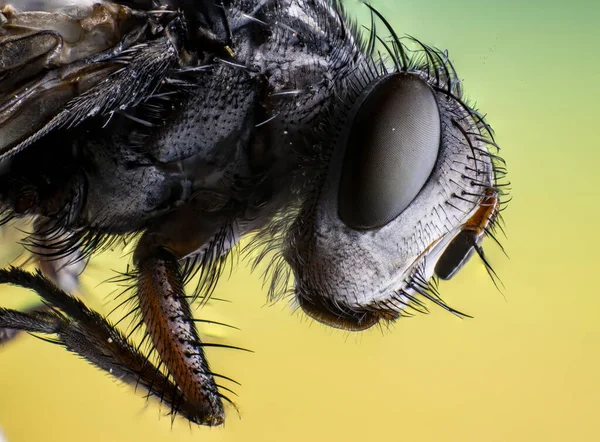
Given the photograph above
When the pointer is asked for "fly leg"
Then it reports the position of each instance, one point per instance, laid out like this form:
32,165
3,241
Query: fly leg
88,334
60,267
8,334
165,309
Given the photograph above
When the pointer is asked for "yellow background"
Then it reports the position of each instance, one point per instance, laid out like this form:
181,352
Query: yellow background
526,368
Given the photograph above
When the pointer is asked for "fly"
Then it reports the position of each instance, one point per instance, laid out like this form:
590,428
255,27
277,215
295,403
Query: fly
350,161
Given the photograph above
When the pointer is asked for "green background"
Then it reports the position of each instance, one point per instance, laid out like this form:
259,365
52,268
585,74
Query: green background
526,368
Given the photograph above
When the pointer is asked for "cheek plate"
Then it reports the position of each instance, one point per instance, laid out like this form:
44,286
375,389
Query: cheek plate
392,147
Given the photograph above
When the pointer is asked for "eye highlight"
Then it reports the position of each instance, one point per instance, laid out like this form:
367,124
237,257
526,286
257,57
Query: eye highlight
392,147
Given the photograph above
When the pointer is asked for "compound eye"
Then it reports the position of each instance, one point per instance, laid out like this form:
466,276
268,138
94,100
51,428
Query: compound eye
393,145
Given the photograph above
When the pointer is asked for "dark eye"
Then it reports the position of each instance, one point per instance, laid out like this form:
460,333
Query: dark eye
391,151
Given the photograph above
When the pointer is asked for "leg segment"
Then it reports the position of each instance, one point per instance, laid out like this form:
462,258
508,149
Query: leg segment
88,334
8,334
169,322
61,268
165,309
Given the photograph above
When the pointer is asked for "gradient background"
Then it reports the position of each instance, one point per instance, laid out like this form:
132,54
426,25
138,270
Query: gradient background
526,368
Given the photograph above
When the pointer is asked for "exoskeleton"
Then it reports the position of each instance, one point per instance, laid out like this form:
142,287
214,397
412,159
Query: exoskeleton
349,158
